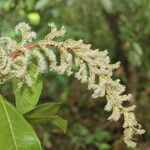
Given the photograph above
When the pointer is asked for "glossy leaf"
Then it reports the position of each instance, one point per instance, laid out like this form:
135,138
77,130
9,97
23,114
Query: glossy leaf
43,112
27,97
47,113
60,122
15,132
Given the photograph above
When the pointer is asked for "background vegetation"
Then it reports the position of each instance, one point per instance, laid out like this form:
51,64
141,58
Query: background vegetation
122,27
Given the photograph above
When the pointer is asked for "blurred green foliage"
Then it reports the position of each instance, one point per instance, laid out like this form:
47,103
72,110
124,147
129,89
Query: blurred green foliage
122,27
80,136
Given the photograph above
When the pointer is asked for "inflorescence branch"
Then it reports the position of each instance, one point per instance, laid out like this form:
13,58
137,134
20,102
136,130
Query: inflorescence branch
93,68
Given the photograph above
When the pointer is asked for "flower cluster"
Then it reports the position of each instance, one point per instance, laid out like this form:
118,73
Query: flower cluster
93,68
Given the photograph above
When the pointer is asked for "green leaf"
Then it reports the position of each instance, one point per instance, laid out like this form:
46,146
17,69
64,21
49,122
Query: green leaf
61,123
101,135
27,97
103,146
15,132
47,113
89,139
138,48
107,4
41,4
43,112
134,58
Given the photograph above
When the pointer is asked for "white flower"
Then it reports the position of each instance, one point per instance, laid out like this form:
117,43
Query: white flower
41,61
115,114
129,119
128,135
27,34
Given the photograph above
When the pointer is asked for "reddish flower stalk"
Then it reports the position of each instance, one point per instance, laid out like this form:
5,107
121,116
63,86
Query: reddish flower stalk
14,54
30,46
18,52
